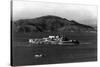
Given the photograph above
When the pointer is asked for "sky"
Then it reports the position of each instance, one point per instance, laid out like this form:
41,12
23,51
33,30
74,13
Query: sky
84,14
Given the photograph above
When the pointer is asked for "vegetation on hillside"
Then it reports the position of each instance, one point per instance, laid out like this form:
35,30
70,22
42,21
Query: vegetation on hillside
49,23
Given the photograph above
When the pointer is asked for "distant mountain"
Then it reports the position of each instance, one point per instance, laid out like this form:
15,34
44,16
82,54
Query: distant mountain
50,23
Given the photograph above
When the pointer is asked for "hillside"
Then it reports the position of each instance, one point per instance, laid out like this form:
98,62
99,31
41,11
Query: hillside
50,23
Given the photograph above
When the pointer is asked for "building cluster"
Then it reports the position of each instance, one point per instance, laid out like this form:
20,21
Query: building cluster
47,40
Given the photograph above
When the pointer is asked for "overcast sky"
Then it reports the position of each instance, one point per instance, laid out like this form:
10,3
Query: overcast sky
84,14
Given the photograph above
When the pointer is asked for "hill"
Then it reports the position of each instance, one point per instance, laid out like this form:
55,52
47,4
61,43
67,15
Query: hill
50,23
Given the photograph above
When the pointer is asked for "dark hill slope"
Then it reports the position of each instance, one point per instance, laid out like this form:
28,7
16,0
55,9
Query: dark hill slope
49,24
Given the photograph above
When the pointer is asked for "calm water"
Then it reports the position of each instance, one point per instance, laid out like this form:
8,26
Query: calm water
23,52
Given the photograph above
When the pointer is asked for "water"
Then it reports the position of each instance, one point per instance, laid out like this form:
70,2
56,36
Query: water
24,53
